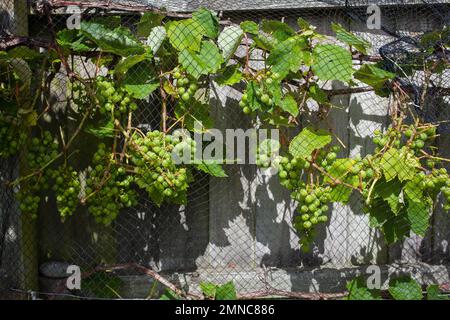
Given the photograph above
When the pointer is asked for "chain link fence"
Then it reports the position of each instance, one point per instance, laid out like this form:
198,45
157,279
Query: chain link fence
239,228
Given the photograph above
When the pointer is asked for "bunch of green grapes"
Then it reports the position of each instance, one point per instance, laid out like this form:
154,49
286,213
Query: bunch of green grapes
266,153
40,153
12,137
112,99
291,170
186,86
415,138
438,180
67,189
108,187
314,203
155,168
262,94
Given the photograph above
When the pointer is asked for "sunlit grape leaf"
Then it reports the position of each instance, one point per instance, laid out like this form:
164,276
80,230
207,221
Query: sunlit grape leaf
349,38
287,56
208,20
119,41
309,140
332,62
357,290
229,40
185,34
405,288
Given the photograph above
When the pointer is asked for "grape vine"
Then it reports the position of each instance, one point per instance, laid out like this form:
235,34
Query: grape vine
404,175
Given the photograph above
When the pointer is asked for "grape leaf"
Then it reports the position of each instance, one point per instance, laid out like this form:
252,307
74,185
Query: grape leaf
229,76
212,168
434,293
148,22
287,56
390,191
307,141
207,61
250,27
119,41
395,228
185,34
208,20
332,62
373,76
349,38
226,291
418,216
405,288
208,289
156,38
279,30
229,40
357,290
398,163
289,105
126,63
140,81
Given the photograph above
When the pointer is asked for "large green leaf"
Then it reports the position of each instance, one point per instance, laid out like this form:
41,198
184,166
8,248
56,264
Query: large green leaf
289,105
373,76
398,163
119,41
140,80
357,290
250,27
332,62
405,288
208,60
208,20
156,37
226,291
287,56
185,34
307,141
148,22
395,228
418,216
279,30
349,38
434,293
128,62
229,40
390,191
229,76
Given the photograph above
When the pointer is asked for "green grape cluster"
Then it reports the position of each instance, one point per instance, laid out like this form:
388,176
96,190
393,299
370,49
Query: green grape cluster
291,169
112,98
414,137
266,153
262,94
438,180
11,137
108,187
67,189
40,153
156,170
314,203
186,86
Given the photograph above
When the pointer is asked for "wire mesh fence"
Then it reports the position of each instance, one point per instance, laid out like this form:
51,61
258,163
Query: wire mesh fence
356,96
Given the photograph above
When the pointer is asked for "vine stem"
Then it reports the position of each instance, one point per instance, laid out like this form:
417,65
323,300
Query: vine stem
433,157
371,190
